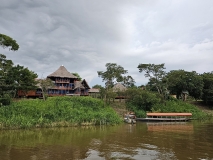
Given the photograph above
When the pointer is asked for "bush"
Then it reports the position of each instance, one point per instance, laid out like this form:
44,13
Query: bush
5,100
139,99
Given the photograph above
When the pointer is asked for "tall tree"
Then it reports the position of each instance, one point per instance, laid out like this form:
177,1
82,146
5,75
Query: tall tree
113,74
45,84
128,81
5,65
6,41
156,74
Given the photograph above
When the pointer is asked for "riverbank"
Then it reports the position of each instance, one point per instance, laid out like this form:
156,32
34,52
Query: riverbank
197,108
205,108
57,112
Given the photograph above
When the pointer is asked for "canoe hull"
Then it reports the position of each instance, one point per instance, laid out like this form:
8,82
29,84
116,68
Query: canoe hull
129,120
163,119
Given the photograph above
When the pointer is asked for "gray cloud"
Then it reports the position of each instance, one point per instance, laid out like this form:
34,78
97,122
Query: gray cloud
84,35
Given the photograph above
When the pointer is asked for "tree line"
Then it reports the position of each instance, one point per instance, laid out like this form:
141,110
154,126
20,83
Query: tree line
180,83
176,82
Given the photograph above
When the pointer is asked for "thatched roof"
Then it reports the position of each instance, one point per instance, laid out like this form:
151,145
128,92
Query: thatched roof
85,83
78,84
93,90
81,84
62,72
119,87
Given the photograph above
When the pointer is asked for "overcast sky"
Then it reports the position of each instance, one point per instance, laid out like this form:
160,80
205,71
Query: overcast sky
84,35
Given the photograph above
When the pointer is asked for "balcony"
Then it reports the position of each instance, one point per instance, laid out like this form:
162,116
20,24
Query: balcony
62,81
63,87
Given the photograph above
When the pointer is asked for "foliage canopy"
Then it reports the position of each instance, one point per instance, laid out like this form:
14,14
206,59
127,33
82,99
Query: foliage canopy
6,41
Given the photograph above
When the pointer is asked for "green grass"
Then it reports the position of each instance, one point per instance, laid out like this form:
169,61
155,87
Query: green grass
57,111
180,106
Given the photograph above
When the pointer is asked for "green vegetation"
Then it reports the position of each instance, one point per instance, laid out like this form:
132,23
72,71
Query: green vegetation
181,82
142,101
57,111
181,107
13,78
6,41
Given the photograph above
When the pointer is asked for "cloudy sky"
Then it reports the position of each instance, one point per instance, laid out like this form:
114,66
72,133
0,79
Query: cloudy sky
84,35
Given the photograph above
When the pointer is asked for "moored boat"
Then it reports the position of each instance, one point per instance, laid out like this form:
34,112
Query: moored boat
130,118
166,117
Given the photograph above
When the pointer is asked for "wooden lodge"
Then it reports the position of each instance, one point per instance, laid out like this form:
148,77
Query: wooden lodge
65,83
30,94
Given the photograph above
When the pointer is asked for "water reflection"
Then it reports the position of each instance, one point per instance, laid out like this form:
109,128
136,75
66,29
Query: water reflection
139,141
181,127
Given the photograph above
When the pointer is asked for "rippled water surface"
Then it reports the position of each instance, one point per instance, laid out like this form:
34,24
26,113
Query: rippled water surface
147,141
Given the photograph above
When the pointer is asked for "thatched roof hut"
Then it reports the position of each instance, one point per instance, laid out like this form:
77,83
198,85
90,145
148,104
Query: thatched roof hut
119,87
93,90
62,72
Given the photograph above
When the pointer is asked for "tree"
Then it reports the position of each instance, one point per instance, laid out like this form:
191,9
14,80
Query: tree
113,74
182,83
78,76
14,78
45,84
128,81
20,78
6,41
5,66
207,96
156,75
110,95
139,99
97,86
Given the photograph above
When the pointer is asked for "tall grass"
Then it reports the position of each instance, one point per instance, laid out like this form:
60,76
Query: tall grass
180,106
57,111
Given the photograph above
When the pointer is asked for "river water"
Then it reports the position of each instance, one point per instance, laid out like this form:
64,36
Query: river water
141,141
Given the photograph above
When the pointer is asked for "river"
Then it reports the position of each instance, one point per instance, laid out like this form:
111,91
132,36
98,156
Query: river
141,141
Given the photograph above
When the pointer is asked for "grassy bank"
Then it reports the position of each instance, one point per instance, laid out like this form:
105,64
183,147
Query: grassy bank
180,106
173,106
57,111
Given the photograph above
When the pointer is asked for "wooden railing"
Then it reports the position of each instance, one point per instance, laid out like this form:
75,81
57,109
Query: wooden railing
63,87
60,94
62,81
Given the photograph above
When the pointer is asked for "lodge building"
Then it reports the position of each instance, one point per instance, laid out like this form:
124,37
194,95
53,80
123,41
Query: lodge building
65,83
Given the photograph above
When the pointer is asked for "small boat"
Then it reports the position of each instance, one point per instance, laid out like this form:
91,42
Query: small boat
130,118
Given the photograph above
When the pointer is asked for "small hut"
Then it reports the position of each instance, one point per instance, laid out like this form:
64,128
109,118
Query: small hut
94,92
119,89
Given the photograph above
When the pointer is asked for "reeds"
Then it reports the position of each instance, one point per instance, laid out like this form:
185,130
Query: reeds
57,111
